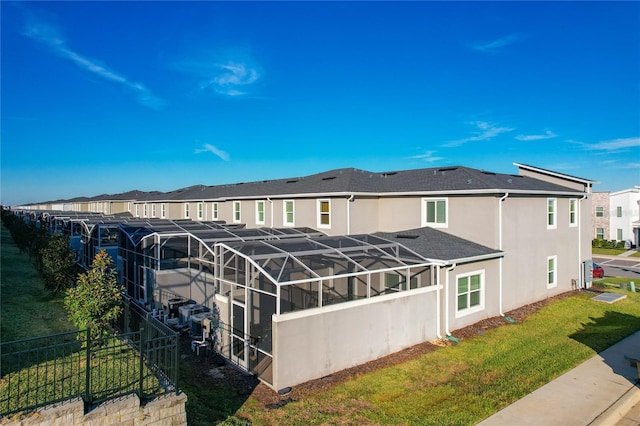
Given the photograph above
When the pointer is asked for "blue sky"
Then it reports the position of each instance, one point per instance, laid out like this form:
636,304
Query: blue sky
106,97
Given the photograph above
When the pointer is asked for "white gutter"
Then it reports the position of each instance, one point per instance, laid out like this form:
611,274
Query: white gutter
446,300
271,203
475,258
502,257
349,201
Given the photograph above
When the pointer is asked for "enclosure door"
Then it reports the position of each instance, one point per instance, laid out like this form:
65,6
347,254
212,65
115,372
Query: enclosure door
143,282
239,343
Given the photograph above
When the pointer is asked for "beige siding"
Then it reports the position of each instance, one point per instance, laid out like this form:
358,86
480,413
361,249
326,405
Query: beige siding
552,179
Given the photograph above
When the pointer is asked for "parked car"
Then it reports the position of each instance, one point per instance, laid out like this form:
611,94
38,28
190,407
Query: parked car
598,272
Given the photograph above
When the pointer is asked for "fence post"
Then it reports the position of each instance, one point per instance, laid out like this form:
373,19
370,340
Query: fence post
142,344
87,382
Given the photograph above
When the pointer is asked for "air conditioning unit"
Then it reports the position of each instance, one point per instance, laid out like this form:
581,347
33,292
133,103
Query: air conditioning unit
187,310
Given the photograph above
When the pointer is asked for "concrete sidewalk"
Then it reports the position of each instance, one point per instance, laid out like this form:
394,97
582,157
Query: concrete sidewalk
601,391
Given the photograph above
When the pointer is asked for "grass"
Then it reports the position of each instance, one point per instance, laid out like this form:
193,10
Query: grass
27,311
26,308
636,254
466,383
609,251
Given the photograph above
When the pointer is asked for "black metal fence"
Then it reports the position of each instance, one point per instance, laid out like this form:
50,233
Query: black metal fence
141,359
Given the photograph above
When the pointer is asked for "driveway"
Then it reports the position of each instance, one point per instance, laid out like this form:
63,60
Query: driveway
628,267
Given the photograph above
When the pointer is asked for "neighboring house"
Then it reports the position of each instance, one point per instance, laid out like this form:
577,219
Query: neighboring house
600,215
614,214
623,212
408,256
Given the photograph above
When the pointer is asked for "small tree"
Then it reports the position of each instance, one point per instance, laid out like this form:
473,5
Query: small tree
96,299
58,264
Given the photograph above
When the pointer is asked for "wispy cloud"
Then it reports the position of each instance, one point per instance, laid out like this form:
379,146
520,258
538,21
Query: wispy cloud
496,45
486,130
548,134
614,145
427,156
49,35
212,149
231,78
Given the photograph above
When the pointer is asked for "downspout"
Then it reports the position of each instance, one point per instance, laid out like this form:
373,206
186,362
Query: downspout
504,197
271,214
349,200
581,278
438,302
446,300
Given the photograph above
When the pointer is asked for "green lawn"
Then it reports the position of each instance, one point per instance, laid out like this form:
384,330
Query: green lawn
611,252
466,383
26,308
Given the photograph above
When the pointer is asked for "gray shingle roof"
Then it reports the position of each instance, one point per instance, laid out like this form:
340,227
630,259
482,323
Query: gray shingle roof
434,244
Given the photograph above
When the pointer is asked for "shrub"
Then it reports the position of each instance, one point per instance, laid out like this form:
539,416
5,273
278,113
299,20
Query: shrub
58,264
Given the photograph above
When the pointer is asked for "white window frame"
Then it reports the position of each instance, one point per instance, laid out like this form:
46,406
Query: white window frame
435,223
552,220
619,234
145,210
163,210
200,211
186,210
573,212
237,212
601,237
470,309
259,220
552,281
599,211
619,211
153,210
137,210
320,214
214,211
285,222
129,206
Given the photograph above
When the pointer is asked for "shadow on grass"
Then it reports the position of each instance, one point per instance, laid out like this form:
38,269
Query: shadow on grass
616,339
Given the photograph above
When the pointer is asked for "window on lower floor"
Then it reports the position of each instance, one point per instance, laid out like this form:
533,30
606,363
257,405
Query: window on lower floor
600,233
144,210
470,289
163,210
551,271
186,210
398,282
619,234
153,210
137,210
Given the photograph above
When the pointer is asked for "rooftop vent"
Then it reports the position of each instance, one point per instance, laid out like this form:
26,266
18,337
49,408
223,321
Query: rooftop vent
488,173
328,178
389,174
408,236
448,169
292,181
509,180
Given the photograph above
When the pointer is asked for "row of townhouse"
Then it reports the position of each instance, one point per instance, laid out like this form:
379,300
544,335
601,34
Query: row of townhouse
386,260
616,216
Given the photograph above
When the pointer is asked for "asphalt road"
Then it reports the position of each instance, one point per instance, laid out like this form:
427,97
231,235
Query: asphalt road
620,267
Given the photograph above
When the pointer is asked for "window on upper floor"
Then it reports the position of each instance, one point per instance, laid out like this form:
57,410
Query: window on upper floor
470,292
129,207
200,211
236,212
137,210
144,210
551,213
600,233
186,210
324,213
573,216
163,210
619,211
214,211
551,271
259,212
153,210
599,211
288,215
434,212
